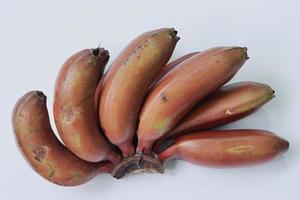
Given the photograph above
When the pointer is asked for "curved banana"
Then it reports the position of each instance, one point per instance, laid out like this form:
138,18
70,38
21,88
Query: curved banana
181,89
126,85
74,106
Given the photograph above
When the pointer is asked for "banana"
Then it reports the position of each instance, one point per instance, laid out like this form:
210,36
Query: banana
74,106
226,148
43,151
182,88
126,84
228,104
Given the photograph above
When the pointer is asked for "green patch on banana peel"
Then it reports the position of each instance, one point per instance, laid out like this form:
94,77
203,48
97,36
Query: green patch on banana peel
161,125
240,149
249,106
51,168
77,176
77,140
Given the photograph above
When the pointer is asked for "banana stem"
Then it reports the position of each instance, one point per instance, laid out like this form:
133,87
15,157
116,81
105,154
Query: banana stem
135,164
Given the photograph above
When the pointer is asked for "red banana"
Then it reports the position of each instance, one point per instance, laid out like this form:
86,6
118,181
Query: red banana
226,148
182,88
43,151
126,85
74,106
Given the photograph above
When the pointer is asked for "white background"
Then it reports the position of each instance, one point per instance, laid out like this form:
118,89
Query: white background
38,36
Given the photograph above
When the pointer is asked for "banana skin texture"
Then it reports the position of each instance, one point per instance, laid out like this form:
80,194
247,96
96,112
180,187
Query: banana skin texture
226,148
169,67
43,151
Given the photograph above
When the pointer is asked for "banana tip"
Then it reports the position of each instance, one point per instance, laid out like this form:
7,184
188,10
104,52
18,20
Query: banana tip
41,95
285,145
100,52
245,50
174,30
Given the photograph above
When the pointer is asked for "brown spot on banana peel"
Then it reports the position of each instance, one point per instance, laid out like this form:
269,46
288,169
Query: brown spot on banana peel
185,87
39,153
72,112
42,150
226,148
67,114
74,105
228,104
163,98
123,93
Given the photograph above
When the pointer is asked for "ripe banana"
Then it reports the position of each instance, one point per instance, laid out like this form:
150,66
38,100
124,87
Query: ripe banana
123,92
74,106
182,88
43,151
226,148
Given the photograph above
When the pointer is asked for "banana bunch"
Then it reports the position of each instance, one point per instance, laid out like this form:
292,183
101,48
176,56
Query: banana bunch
142,112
